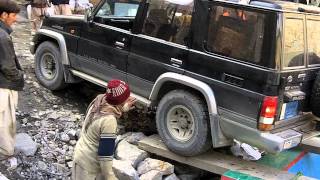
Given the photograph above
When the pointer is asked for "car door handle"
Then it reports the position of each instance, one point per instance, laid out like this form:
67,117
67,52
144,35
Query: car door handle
119,44
120,20
176,61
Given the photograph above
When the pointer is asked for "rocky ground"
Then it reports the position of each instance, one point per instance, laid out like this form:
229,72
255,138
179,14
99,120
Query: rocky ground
49,123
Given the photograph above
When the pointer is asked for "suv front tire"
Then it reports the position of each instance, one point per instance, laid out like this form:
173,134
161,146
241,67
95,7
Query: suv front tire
183,123
48,68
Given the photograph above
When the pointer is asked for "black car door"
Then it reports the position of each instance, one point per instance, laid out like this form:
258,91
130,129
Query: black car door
160,47
104,45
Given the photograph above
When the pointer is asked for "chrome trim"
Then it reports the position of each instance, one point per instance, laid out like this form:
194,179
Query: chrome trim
143,36
61,41
113,28
102,83
279,42
119,44
176,61
226,84
120,20
162,41
304,68
266,8
313,65
236,61
78,17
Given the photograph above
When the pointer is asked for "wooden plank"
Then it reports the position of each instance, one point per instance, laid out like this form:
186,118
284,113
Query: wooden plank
311,145
214,162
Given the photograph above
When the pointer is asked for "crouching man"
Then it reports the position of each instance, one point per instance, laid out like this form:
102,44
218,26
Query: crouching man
94,151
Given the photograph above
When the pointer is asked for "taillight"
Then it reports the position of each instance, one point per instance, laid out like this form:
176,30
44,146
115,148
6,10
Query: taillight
268,113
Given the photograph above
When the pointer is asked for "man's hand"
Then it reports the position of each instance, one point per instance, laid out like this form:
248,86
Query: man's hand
131,101
128,104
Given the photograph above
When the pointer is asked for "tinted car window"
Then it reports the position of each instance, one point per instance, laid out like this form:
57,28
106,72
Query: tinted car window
313,41
119,8
293,43
168,20
237,33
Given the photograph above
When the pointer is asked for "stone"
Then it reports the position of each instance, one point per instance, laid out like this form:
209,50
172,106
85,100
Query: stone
122,137
64,137
51,132
70,165
2,177
25,144
41,113
77,117
124,170
150,164
72,134
35,84
37,123
60,168
73,142
65,147
127,151
53,116
78,133
151,175
171,177
68,158
24,120
42,165
135,137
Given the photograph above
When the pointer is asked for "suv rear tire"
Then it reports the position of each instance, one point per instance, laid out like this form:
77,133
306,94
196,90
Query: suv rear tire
315,97
48,68
183,123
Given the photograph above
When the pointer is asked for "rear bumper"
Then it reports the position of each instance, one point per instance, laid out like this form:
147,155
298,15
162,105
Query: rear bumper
272,142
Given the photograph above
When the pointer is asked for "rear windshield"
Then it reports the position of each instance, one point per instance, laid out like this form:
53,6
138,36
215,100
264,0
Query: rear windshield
242,34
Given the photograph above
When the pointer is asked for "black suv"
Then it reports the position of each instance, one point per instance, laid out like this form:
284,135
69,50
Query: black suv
213,70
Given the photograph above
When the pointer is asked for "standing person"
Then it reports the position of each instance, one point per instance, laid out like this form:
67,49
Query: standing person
61,7
11,79
38,10
94,151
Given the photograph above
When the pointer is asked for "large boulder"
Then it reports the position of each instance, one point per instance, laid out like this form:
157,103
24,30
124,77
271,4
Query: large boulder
2,177
152,175
171,177
129,152
135,137
25,144
150,164
124,170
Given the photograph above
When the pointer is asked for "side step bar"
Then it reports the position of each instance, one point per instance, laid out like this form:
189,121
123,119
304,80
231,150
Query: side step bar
140,99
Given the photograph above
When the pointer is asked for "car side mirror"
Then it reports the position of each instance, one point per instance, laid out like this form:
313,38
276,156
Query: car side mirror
88,14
